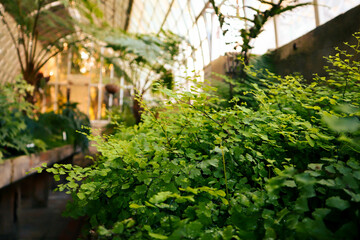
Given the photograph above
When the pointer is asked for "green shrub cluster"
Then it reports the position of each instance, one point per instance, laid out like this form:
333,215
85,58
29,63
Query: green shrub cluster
23,132
12,121
287,169
57,129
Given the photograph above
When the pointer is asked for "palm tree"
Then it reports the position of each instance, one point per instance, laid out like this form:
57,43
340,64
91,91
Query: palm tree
158,52
136,55
43,26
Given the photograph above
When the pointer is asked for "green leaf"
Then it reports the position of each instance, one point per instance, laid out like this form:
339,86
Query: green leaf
118,228
136,206
356,174
354,197
81,196
289,183
220,193
349,124
160,197
327,182
301,204
193,229
280,215
337,202
228,233
130,223
315,166
304,179
57,178
225,201
310,141
157,235
320,213
103,231
353,164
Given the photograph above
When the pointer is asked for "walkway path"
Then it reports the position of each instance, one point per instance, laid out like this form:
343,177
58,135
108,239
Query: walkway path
47,223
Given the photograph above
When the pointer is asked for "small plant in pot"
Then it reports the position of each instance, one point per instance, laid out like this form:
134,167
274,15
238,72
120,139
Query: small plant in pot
111,88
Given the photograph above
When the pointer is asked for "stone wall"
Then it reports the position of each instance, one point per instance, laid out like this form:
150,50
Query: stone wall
9,64
306,54
216,66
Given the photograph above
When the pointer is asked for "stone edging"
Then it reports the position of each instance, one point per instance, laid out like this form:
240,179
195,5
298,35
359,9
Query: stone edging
14,169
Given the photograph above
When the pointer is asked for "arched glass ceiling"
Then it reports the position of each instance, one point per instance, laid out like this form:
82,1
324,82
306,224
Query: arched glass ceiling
116,11
195,20
289,25
185,18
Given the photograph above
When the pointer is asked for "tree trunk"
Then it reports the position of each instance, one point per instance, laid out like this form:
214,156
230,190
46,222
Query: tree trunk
33,78
137,109
30,78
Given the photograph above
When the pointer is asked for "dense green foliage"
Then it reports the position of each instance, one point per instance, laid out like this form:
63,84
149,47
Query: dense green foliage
12,121
227,87
22,131
57,129
287,169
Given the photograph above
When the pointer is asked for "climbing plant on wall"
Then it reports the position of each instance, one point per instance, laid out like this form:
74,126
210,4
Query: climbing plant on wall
247,35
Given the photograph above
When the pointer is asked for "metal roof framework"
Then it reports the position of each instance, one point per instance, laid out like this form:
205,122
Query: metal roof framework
196,21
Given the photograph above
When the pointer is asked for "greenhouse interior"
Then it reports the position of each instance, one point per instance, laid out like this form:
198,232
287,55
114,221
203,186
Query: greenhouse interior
179,119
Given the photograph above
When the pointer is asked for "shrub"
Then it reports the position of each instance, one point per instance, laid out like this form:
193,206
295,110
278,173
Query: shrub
13,132
65,127
22,131
288,169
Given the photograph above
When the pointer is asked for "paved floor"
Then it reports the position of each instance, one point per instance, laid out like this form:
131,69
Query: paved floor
24,216
47,223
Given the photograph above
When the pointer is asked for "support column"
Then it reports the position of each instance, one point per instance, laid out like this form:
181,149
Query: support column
111,96
89,88
100,85
68,74
275,30
121,93
57,78
316,10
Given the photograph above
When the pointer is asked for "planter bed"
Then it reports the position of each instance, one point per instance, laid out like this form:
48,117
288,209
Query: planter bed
14,169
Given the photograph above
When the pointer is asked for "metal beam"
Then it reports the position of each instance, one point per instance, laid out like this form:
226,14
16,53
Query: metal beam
128,14
114,12
316,10
276,30
100,84
166,15
202,11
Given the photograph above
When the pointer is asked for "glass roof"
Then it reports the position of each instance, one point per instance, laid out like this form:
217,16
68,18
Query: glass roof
196,21
116,11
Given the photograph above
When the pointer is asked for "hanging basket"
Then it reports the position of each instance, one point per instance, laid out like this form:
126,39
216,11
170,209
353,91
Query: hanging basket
111,88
